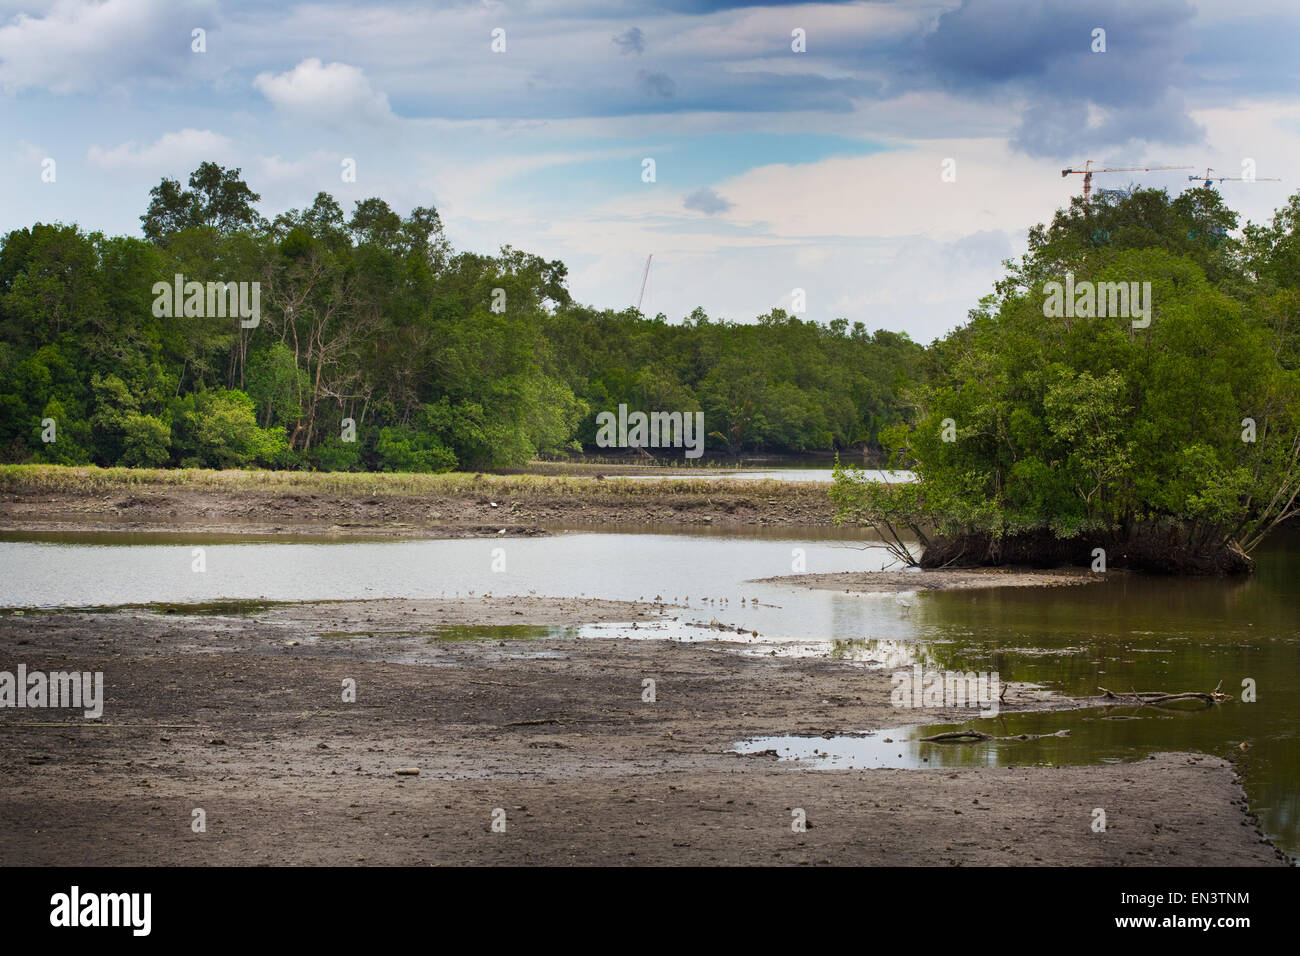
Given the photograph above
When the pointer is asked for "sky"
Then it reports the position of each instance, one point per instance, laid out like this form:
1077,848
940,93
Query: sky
886,169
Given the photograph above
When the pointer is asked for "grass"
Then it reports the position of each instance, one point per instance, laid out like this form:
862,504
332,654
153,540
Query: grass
92,480
222,607
500,632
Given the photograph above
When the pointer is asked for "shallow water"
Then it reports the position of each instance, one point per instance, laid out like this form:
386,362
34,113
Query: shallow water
773,474
1127,633
704,572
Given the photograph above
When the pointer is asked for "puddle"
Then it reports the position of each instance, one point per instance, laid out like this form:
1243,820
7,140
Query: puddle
664,629
1096,736
871,750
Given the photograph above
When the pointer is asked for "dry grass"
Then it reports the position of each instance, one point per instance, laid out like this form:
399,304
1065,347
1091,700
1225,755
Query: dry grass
89,480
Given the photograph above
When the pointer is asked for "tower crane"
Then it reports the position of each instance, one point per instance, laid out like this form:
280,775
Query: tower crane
645,275
1088,169
1210,180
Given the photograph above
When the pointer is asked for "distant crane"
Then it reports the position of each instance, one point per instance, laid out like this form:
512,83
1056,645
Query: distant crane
1210,180
1088,170
646,274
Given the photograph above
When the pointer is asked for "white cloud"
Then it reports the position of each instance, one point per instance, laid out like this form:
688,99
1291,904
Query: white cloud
29,153
79,46
480,184
892,194
187,147
880,238
332,93
1268,133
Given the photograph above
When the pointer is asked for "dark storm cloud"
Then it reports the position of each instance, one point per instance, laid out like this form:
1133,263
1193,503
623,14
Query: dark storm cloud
1031,57
991,41
707,201
656,84
633,41
1040,52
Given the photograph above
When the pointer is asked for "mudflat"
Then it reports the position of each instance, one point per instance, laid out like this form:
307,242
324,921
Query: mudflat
241,714
961,579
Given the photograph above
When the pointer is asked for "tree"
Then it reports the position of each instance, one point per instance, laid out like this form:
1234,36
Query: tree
146,441
218,429
1172,446
217,199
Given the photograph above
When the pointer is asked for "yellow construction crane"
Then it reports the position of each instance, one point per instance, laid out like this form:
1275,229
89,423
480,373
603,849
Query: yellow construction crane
1210,180
1088,169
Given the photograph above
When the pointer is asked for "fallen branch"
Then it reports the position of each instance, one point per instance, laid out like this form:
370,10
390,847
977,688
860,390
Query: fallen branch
974,736
1158,698
956,736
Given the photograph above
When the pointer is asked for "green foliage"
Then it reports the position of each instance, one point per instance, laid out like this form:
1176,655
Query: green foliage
371,316
218,429
276,384
217,198
404,448
781,385
334,454
72,436
374,317
146,441
1031,423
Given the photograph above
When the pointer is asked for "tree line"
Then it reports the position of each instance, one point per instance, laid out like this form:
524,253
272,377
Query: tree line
380,347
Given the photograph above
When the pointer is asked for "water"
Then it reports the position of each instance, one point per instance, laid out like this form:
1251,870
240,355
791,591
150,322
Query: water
1131,633
703,571
820,475
1127,633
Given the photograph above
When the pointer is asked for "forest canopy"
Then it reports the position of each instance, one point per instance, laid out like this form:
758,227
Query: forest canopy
371,316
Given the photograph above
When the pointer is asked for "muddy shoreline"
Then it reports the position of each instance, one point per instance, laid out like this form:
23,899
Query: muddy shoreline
455,506
242,715
956,579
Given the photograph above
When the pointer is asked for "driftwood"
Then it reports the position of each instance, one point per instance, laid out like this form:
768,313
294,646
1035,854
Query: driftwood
1160,698
1141,699
968,736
